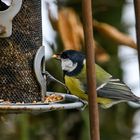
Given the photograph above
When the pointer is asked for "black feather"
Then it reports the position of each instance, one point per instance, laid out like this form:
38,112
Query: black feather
75,57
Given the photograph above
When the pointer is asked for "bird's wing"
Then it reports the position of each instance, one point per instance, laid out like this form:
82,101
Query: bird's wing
116,90
107,87
101,76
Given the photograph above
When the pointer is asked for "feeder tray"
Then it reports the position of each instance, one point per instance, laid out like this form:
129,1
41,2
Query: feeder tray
54,101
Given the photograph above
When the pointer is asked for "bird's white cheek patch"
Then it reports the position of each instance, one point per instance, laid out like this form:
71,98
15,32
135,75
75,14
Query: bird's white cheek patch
68,65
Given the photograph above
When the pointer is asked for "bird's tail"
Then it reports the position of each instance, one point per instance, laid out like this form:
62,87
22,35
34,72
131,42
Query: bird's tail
116,92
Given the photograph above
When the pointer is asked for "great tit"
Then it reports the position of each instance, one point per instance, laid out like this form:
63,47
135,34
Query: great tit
110,91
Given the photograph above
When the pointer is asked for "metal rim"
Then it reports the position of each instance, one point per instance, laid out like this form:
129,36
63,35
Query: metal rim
69,102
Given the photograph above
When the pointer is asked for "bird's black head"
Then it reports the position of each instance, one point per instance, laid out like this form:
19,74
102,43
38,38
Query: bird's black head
72,62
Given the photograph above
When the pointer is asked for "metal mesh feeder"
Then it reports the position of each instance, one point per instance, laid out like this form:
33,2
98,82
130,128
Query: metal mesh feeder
22,84
17,51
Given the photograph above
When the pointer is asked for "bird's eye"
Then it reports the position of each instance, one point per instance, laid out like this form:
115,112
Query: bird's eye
64,55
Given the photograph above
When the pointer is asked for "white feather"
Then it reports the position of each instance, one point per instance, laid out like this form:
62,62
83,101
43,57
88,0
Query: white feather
68,65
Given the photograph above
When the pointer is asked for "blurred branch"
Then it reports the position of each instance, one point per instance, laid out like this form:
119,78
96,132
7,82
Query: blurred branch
71,32
100,53
69,27
112,33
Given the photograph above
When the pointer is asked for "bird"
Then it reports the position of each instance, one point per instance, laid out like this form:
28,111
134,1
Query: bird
110,90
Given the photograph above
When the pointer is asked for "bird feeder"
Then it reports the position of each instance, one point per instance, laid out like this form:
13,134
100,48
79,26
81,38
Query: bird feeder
22,82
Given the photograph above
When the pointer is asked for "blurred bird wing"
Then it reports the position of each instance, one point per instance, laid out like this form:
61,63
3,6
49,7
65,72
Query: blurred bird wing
117,91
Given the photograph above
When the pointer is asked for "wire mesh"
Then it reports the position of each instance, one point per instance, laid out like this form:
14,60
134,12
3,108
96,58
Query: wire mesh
17,78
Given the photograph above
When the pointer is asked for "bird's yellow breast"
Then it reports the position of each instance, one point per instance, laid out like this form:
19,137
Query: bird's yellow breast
75,87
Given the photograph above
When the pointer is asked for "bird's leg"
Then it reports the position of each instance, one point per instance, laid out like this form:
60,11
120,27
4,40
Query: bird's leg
50,78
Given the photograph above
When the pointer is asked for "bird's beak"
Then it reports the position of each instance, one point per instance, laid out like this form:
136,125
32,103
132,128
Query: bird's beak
56,56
